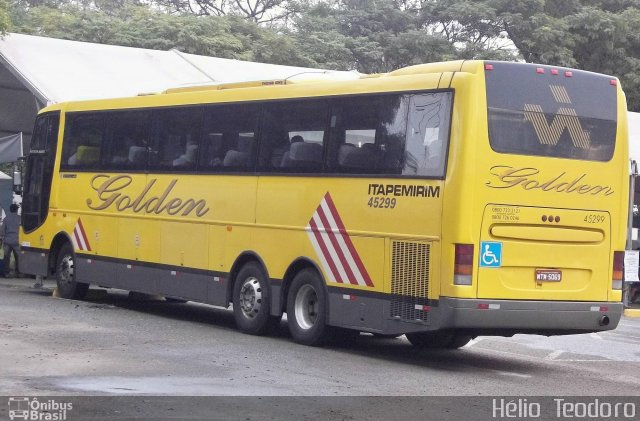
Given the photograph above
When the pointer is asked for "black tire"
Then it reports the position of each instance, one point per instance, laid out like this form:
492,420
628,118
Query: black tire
458,341
307,309
252,301
387,336
65,275
174,300
341,336
438,340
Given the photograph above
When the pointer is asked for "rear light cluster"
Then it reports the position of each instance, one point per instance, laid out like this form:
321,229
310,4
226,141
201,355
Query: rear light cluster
463,266
618,270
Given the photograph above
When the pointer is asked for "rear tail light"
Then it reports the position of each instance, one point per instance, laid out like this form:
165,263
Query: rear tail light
618,269
463,269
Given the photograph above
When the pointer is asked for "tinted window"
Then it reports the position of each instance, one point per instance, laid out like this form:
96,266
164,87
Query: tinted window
83,138
229,140
177,139
39,171
368,134
293,135
128,140
536,112
427,134
39,138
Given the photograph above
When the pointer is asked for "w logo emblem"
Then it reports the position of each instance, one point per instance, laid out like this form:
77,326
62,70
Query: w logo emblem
565,118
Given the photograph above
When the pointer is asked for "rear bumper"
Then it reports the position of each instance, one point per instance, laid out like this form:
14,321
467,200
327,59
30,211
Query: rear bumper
551,317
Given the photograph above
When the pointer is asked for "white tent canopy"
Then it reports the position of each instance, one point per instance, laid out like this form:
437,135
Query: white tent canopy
37,71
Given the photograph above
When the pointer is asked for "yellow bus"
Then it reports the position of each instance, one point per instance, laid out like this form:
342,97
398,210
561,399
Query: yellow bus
442,201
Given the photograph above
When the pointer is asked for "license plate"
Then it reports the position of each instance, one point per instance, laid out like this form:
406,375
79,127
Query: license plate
548,275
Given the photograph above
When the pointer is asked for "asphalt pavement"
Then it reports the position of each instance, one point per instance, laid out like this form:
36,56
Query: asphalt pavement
111,345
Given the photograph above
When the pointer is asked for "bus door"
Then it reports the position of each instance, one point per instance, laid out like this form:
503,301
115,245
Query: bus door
39,171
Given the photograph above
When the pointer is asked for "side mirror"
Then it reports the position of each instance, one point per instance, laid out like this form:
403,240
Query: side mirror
17,175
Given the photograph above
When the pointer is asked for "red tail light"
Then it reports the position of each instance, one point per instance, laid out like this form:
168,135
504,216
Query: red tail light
618,270
463,264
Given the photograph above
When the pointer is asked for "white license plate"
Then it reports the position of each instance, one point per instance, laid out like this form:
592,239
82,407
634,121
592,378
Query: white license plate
548,275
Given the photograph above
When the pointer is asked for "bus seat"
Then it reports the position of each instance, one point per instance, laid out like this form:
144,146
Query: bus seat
137,154
245,144
236,159
303,154
87,155
350,156
188,158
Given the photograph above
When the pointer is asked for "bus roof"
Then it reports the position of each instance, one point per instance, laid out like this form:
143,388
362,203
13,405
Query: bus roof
302,79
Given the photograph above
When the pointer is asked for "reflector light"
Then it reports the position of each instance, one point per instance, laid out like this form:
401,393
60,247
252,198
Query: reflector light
618,270
554,71
603,308
463,269
568,74
488,67
613,82
463,264
539,70
483,306
464,249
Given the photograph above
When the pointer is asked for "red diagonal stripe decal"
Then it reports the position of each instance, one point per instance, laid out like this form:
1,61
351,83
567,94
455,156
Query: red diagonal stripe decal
84,235
347,240
339,251
325,252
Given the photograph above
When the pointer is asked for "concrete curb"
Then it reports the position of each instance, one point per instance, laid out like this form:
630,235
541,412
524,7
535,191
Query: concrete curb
632,312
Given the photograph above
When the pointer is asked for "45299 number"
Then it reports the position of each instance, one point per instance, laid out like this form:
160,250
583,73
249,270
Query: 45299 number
382,202
593,218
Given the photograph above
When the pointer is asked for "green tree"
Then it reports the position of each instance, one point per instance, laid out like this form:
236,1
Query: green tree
4,16
136,25
370,36
594,35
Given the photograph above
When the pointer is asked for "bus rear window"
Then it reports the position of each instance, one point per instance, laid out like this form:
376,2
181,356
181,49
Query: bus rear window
551,111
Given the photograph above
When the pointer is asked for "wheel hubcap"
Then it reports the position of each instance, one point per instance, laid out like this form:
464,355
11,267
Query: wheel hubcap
66,270
306,307
250,298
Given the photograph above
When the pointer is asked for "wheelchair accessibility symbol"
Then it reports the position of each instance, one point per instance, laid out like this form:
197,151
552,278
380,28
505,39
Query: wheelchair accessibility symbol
490,254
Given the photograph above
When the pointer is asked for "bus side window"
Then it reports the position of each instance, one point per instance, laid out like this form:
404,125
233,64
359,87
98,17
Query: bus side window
83,141
292,136
127,141
176,137
229,142
427,134
367,135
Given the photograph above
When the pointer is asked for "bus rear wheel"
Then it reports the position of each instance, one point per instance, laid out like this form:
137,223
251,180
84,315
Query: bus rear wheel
307,309
438,340
251,301
68,287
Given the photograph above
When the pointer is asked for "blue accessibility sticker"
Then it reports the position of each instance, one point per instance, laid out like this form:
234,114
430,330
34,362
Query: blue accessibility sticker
490,254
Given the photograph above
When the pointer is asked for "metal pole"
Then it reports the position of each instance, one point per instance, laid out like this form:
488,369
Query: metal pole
629,246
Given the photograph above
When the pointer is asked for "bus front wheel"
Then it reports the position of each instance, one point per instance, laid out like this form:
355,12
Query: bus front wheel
68,287
251,301
307,309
